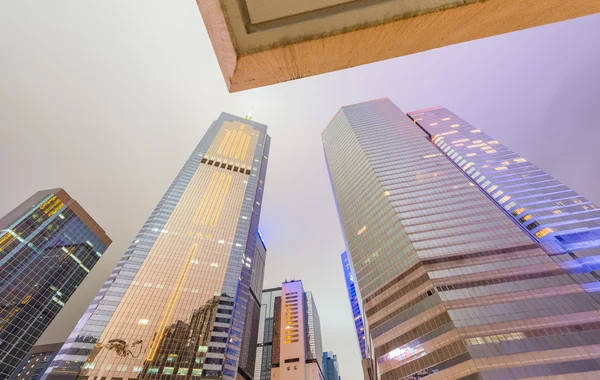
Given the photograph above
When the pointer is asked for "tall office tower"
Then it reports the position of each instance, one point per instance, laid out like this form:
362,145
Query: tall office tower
553,214
330,366
185,298
264,347
48,245
367,363
297,347
451,286
35,363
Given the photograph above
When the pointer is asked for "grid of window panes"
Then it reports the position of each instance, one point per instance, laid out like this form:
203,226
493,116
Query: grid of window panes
192,271
264,347
330,366
546,208
314,345
563,221
433,254
36,362
45,254
355,305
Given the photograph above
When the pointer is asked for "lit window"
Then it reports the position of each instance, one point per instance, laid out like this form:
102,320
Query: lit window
518,211
432,124
499,168
475,131
168,370
543,232
491,151
143,322
471,154
505,163
557,212
519,160
363,229
455,125
446,119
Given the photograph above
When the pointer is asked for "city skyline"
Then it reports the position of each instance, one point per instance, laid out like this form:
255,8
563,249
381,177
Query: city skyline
164,117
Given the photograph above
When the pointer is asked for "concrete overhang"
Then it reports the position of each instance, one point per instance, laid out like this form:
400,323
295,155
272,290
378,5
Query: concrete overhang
262,42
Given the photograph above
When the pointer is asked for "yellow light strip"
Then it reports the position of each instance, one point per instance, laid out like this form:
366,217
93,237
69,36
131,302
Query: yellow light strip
225,152
223,195
213,199
237,139
240,147
245,148
205,196
172,303
223,142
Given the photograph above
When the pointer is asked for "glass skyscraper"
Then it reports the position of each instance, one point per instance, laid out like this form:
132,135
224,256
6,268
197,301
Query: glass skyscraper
48,245
330,366
561,220
35,363
369,370
453,284
355,305
185,298
264,347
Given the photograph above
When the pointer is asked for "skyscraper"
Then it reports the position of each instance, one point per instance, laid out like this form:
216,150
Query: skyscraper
35,363
48,245
553,214
297,347
264,347
330,366
185,298
362,336
451,286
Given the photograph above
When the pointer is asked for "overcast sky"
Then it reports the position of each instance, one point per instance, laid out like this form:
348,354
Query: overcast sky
108,98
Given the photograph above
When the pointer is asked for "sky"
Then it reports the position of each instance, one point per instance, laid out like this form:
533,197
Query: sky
107,99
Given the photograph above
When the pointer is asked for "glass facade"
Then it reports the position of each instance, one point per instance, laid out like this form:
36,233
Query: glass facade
354,304
185,298
330,366
450,284
36,362
48,245
313,330
564,222
264,347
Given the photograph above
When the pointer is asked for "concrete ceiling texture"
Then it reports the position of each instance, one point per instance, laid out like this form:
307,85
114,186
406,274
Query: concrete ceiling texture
263,42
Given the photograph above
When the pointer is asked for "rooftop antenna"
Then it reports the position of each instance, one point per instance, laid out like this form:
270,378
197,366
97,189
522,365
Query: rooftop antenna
249,114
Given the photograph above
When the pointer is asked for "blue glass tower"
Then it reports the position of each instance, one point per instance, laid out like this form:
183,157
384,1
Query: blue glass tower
48,245
330,366
355,304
